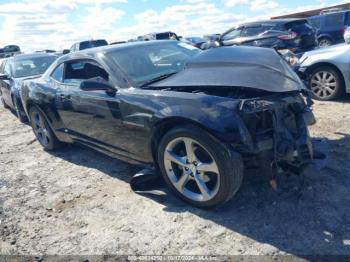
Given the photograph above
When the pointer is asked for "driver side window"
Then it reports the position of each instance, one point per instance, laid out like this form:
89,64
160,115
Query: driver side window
77,71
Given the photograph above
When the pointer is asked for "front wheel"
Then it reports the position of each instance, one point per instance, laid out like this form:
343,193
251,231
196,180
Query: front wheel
199,168
22,118
326,84
4,104
324,42
42,130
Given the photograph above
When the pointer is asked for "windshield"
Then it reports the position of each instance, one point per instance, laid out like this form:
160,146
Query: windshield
91,44
31,66
145,63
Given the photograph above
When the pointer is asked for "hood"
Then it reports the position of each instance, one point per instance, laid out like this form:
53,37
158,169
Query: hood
341,48
238,66
18,81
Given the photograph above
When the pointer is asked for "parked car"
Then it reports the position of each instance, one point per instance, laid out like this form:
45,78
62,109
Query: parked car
87,44
194,40
159,36
14,71
330,27
9,50
197,116
326,71
297,35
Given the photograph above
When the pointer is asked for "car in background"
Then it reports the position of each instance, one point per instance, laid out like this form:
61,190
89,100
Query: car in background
9,50
296,35
326,71
194,40
14,71
330,27
194,115
159,36
87,44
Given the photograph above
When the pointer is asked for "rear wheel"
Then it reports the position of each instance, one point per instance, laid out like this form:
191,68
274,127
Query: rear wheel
324,42
326,83
42,130
198,168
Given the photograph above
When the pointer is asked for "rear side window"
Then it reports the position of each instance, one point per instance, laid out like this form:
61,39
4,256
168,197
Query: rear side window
334,20
57,74
232,34
347,18
252,31
315,22
298,26
77,71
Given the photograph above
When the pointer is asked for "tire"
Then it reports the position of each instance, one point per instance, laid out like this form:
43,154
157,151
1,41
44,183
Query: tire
203,186
20,116
324,42
42,130
326,83
4,104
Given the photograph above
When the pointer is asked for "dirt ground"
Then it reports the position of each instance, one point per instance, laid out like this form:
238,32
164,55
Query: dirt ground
77,201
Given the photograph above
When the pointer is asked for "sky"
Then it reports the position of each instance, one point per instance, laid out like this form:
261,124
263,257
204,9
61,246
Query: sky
57,24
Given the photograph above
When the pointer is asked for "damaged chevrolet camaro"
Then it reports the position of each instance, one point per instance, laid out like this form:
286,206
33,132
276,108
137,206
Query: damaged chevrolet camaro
199,117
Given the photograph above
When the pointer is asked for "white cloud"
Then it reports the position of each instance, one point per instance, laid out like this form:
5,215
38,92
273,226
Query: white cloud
263,5
234,3
253,5
48,24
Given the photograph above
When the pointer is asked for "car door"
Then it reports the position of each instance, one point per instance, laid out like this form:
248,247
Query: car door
90,117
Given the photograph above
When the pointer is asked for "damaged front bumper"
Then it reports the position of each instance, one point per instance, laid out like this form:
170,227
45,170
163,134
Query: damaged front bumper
275,130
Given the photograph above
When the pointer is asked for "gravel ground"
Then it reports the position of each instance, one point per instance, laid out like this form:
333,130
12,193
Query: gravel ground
77,201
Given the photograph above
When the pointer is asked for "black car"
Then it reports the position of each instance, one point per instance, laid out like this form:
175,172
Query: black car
330,27
9,50
87,44
198,117
14,71
297,35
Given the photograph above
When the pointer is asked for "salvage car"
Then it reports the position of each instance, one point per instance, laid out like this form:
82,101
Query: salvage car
326,71
14,71
296,35
199,117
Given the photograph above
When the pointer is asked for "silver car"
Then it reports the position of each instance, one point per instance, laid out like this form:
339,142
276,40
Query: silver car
327,71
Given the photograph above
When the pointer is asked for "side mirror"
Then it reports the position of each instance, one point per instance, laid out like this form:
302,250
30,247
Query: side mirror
65,51
4,77
97,83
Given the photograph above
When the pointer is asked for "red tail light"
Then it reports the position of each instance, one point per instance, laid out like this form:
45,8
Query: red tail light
290,36
342,30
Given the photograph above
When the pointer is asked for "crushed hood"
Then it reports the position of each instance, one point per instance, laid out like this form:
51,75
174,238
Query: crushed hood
237,66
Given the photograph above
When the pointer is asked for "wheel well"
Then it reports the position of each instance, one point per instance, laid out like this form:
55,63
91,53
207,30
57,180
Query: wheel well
325,64
165,126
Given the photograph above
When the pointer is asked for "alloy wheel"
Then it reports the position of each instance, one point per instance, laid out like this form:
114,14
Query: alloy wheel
40,128
324,43
323,84
191,169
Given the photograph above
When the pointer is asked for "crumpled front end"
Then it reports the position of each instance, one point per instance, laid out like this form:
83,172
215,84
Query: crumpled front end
275,131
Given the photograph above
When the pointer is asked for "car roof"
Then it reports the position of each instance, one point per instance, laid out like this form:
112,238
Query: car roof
273,21
29,56
92,52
